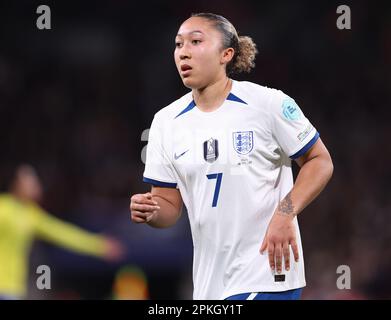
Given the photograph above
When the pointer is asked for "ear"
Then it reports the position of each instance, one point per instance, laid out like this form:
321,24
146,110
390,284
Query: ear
227,55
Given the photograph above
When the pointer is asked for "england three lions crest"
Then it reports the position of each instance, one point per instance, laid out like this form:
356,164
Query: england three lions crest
243,142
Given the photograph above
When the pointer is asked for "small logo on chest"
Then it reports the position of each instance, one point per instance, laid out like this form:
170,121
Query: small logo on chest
211,150
177,156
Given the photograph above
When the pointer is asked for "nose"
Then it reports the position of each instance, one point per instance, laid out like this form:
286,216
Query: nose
184,56
184,52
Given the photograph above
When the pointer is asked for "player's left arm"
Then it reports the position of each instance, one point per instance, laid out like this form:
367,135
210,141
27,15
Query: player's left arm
316,169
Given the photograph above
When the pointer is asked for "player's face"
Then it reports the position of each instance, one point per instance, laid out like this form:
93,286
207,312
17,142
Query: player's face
27,184
198,53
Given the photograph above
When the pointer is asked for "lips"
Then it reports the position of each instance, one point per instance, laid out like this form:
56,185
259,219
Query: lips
185,67
186,70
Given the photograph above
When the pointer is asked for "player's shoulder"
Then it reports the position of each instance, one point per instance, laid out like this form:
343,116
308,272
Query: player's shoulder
3,201
170,112
255,93
5,198
3,195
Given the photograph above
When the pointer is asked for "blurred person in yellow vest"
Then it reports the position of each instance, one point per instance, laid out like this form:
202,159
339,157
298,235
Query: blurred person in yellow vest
22,220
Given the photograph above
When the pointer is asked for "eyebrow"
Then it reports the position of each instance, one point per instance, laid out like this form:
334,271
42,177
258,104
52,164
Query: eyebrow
191,32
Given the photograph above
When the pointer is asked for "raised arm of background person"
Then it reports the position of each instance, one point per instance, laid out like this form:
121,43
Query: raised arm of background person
74,238
316,169
160,208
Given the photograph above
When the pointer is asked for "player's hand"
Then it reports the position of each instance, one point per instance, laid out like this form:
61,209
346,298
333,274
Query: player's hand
281,234
143,208
115,250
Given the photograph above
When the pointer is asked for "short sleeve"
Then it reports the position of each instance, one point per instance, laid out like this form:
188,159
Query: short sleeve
158,171
293,131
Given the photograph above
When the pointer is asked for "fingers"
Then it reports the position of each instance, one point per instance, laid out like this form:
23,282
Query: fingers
278,254
263,246
143,207
149,218
287,255
270,250
139,220
148,195
143,199
115,250
277,251
138,217
142,217
295,249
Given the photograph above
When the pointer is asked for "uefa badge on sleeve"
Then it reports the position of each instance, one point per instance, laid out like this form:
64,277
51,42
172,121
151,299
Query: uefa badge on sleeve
211,150
291,110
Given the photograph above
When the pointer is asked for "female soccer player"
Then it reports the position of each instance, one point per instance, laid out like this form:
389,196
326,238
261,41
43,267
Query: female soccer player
225,150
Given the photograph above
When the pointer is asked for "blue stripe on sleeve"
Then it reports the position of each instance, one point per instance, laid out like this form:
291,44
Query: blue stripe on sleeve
303,150
159,183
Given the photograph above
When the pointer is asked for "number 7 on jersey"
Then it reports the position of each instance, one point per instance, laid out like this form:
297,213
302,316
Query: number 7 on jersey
218,177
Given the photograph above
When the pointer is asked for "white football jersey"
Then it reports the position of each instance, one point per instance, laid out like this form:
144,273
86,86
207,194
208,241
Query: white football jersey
232,167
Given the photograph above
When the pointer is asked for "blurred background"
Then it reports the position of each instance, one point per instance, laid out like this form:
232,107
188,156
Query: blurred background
74,101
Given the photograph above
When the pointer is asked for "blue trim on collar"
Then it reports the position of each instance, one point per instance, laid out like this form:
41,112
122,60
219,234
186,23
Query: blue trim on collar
232,97
192,104
188,108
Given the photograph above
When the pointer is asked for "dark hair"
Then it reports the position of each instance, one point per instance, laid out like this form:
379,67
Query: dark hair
245,48
9,174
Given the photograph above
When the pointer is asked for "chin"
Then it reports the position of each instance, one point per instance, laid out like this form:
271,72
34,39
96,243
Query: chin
188,83
191,83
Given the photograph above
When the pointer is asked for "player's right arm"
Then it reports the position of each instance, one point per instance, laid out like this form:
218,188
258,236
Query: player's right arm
160,208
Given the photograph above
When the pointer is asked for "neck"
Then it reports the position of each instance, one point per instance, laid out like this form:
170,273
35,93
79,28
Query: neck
18,196
212,96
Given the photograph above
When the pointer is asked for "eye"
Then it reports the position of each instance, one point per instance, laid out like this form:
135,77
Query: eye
195,42
178,44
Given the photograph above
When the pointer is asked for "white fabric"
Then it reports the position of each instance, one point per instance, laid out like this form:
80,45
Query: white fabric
255,173
252,296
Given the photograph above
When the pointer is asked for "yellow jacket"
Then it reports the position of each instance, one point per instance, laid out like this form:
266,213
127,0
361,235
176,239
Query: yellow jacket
19,223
